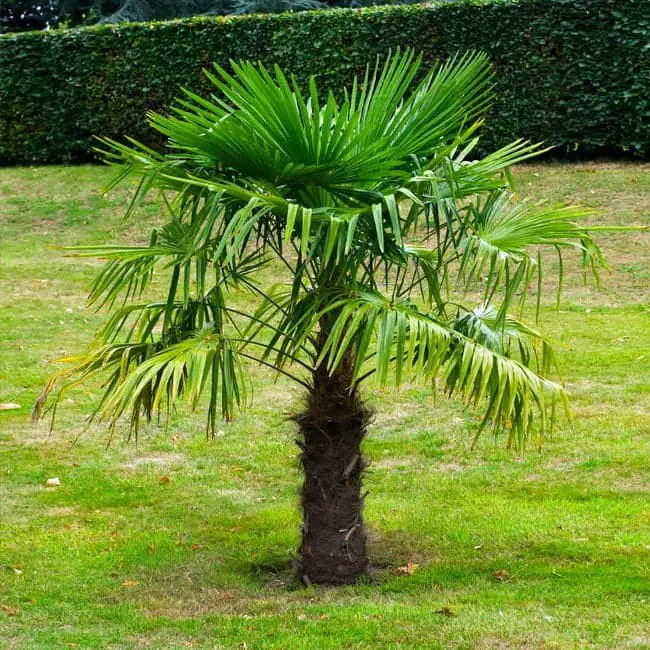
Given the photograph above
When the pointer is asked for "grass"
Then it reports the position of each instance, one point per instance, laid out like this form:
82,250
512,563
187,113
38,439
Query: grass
182,542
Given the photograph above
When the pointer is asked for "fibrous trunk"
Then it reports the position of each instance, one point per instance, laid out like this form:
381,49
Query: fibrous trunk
333,549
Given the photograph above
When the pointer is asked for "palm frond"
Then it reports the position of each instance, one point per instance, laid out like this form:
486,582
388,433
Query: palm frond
502,239
483,370
265,129
143,377
452,174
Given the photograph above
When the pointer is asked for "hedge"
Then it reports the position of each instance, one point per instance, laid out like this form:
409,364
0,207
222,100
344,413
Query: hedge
572,73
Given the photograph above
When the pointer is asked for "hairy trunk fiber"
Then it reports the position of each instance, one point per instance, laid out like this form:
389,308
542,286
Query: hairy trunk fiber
332,426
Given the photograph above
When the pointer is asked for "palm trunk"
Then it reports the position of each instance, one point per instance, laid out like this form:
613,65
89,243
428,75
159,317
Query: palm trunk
333,549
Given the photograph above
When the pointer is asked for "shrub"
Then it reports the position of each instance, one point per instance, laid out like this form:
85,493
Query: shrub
573,73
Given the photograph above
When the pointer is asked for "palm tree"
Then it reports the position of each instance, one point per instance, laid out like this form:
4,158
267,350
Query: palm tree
379,215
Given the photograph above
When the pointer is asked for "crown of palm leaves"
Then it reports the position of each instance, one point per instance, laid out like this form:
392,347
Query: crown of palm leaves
378,212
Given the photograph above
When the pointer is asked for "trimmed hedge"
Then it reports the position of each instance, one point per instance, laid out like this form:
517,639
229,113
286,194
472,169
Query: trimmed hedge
573,73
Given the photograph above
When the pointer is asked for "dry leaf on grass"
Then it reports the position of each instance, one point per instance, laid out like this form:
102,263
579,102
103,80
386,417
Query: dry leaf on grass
501,574
165,479
409,569
446,611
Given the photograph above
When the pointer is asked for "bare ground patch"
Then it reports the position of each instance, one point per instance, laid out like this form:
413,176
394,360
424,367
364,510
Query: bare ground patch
155,459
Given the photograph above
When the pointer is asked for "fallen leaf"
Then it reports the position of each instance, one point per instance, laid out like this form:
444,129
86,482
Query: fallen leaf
130,583
11,611
446,611
53,482
410,568
165,479
195,547
8,406
501,574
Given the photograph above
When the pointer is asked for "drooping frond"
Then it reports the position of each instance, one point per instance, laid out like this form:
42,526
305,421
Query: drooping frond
509,337
143,377
489,367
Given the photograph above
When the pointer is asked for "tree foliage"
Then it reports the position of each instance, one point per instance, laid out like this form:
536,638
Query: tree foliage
404,256
24,15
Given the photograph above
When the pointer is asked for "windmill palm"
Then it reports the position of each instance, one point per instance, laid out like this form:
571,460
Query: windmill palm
379,215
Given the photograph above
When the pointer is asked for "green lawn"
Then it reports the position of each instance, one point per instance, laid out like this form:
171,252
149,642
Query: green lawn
180,541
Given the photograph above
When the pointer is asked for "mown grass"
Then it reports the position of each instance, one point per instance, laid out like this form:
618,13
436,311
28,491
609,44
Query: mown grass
180,541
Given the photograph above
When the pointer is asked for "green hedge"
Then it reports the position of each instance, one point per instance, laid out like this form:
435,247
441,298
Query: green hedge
573,73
